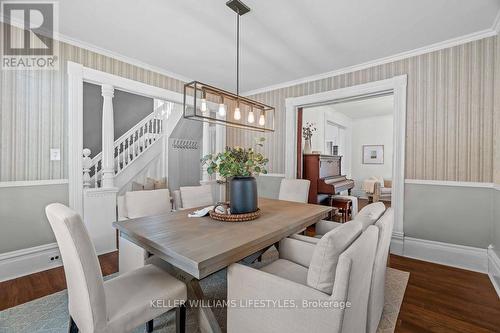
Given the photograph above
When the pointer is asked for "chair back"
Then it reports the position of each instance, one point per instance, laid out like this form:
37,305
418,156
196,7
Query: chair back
196,196
372,211
377,291
87,302
294,190
353,280
147,203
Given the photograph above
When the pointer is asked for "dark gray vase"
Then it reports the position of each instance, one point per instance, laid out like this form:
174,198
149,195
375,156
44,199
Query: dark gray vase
243,195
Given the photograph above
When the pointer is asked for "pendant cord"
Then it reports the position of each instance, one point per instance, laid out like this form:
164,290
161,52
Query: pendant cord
238,54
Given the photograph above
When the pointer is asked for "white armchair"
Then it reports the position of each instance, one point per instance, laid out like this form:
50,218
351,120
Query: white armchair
333,272
137,204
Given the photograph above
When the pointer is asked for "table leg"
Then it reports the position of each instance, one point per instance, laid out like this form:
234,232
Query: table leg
206,318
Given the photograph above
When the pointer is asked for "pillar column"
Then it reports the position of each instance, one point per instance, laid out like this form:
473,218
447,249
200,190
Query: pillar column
108,137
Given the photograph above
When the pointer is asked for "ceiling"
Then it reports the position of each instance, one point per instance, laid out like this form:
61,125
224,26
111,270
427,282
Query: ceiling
364,108
281,40
370,107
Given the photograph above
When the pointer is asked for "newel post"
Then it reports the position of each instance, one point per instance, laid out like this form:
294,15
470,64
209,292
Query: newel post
86,163
108,136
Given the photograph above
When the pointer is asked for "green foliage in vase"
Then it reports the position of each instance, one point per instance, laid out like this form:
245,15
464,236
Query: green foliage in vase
237,161
308,130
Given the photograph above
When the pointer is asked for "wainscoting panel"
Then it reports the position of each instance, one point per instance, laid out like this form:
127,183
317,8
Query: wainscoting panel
449,214
22,215
450,111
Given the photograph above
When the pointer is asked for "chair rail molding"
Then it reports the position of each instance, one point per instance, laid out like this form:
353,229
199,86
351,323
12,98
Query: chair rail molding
449,183
41,182
77,74
397,86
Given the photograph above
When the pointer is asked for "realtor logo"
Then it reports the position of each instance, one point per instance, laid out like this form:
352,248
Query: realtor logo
28,36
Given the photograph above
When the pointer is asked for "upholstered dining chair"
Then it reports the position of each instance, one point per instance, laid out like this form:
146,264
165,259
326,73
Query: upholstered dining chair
329,275
136,204
193,196
294,190
367,216
117,305
385,225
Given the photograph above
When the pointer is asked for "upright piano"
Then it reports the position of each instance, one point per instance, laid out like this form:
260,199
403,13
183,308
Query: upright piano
324,172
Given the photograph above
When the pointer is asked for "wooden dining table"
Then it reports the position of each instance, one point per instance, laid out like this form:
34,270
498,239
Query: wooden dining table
199,246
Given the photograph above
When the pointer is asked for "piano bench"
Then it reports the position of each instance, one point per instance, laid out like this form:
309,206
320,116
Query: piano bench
344,206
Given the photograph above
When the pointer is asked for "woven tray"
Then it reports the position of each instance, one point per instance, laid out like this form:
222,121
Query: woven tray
234,217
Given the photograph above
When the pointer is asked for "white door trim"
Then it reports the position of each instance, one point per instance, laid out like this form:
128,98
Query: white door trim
397,85
77,74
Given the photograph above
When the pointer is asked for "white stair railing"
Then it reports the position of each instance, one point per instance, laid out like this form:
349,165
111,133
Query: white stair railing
127,148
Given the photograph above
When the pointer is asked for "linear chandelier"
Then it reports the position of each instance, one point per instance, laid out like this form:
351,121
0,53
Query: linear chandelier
215,105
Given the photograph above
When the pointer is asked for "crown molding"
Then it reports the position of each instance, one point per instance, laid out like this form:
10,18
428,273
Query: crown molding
105,52
496,23
120,57
494,30
381,61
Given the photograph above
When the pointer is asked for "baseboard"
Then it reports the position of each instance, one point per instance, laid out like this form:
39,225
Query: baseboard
465,257
397,243
494,269
28,261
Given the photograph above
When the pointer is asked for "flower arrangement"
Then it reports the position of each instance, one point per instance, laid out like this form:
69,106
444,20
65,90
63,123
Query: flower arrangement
308,130
237,162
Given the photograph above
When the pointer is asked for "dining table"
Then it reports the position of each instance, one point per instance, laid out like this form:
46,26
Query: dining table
196,247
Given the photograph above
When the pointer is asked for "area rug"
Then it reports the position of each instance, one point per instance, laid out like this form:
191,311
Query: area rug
49,314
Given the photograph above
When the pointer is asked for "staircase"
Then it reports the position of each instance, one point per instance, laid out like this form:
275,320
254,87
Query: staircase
128,148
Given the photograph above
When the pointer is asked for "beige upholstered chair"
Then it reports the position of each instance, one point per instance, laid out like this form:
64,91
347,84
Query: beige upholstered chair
381,193
294,190
133,205
367,216
377,291
385,225
193,196
116,305
332,272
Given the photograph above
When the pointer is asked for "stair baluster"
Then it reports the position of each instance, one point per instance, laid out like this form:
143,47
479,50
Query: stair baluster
129,146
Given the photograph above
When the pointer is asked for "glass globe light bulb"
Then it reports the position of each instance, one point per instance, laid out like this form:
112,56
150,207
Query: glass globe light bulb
222,110
237,113
251,117
203,105
262,120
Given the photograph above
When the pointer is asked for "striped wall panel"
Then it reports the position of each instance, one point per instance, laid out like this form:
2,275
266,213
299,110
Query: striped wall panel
450,111
33,115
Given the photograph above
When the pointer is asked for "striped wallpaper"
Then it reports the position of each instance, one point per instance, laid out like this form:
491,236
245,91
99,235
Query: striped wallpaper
450,111
33,115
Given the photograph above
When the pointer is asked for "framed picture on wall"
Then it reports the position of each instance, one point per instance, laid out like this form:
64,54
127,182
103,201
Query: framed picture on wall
373,154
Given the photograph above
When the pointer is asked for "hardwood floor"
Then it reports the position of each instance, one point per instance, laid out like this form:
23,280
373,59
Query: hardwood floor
438,298
30,287
445,299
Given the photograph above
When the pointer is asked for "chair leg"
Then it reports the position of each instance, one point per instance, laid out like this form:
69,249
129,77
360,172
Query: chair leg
72,326
180,319
150,326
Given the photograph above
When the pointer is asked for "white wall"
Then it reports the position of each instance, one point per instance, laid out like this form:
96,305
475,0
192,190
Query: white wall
320,116
371,131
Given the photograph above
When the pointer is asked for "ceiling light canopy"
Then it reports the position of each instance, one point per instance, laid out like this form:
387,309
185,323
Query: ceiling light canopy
215,105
